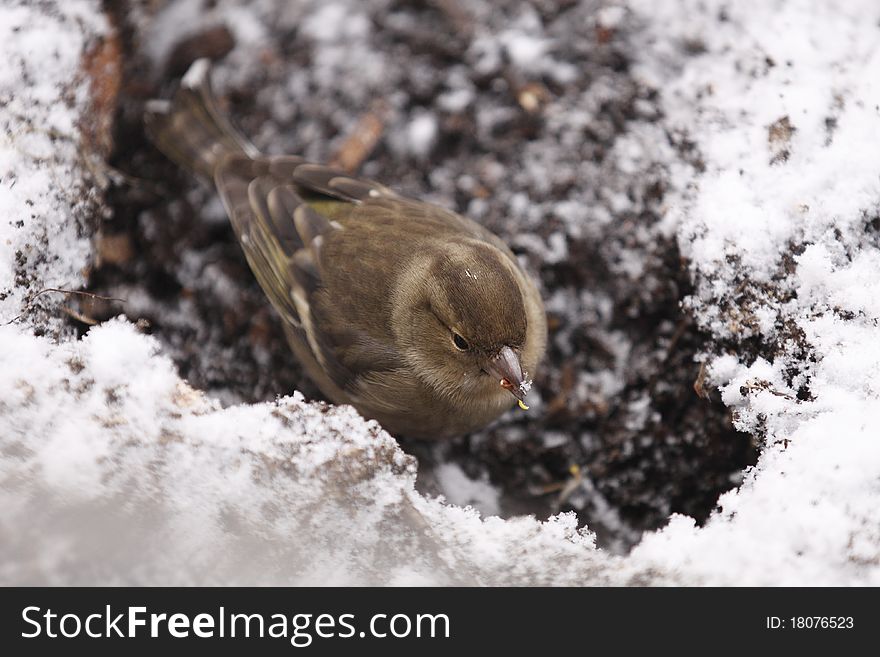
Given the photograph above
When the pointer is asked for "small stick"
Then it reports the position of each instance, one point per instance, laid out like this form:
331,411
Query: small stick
79,316
45,290
360,143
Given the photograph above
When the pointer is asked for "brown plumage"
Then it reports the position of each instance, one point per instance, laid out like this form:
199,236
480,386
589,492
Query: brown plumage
415,315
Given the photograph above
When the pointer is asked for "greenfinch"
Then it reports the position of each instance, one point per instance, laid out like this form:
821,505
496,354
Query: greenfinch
417,316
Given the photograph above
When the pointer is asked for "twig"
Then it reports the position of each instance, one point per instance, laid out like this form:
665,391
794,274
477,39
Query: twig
700,382
573,483
79,316
45,290
760,384
361,142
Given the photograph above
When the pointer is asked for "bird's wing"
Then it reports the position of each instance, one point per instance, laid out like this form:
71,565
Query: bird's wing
327,181
272,203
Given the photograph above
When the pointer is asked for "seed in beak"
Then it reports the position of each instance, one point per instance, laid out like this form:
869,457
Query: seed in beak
507,385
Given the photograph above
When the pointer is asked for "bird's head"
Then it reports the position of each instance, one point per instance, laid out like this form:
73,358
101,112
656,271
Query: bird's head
466,325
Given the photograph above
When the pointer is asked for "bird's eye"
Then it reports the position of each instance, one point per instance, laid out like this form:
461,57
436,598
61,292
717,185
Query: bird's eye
460,343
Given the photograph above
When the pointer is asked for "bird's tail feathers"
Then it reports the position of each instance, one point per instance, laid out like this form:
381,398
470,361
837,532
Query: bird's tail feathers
190,128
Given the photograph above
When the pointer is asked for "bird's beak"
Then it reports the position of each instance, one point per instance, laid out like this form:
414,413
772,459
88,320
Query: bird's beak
507,369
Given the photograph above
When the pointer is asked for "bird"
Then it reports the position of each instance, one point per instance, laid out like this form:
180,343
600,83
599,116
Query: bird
415,315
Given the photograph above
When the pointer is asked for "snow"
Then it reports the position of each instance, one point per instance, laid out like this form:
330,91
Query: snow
610,16
42,203
113,470
422,133
456,101
173,488
811,508
333,22
464,491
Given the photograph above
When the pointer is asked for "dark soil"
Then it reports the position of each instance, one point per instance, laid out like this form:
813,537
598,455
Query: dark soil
622,455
